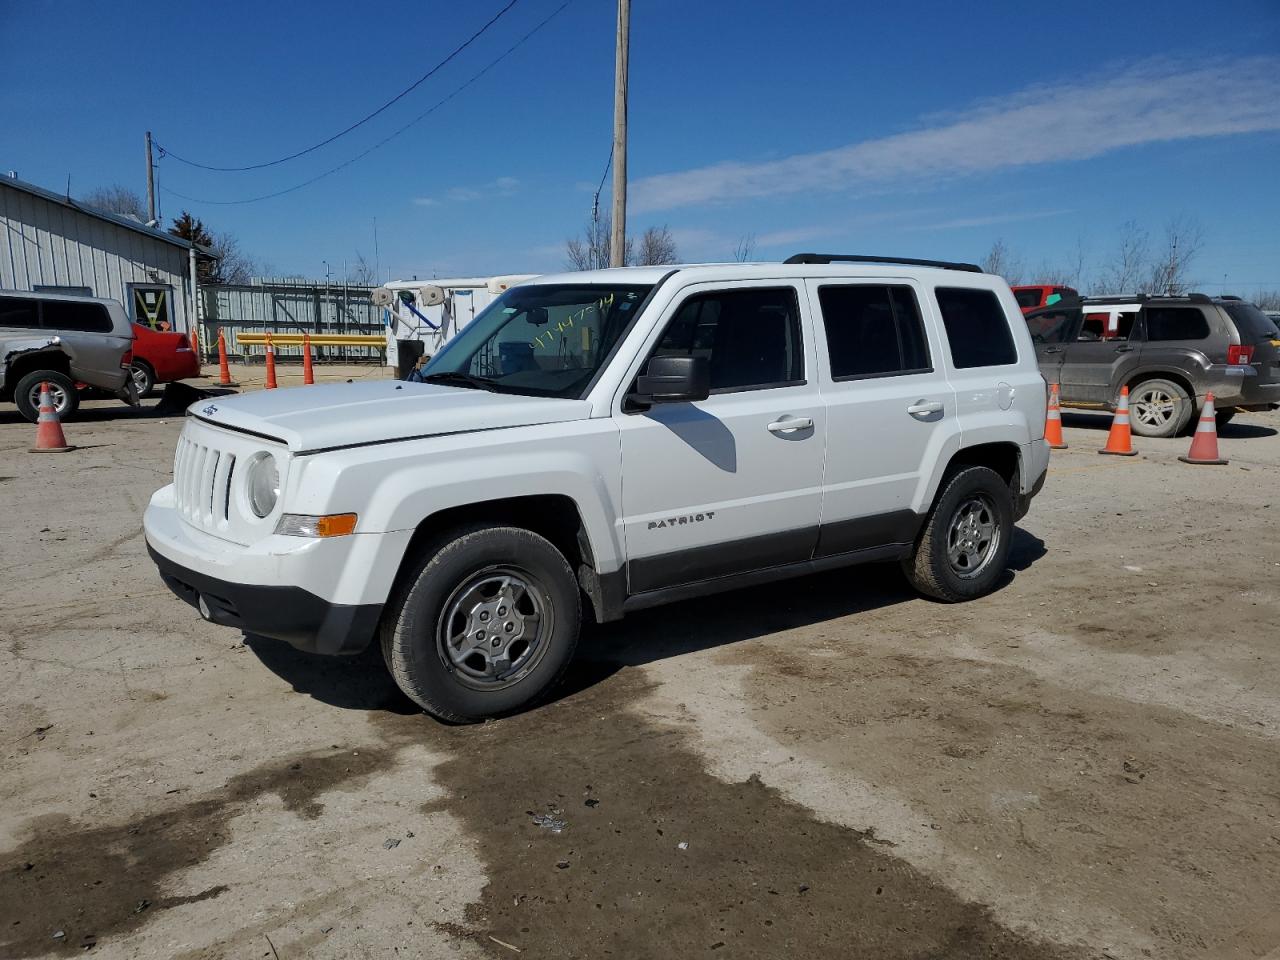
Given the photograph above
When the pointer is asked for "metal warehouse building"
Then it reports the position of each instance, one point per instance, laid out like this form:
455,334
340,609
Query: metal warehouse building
49,241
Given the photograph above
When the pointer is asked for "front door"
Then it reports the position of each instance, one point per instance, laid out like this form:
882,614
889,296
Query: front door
1050,329
732,483
1097,360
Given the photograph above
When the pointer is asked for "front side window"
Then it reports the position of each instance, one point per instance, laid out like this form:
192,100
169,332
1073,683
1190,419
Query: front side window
976,328
1175,323
1052,326
750,337
873,330
19,313
541,339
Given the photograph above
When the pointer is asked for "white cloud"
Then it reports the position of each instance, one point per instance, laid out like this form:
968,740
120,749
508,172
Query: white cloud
1150,102
501,187
988,221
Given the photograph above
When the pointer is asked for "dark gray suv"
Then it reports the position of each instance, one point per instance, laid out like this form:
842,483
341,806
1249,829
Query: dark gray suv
1169,351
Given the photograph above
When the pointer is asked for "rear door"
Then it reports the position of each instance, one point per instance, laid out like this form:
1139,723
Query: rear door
890,410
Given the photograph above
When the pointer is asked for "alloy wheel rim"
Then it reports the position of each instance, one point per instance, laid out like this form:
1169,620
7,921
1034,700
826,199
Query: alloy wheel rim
1154,408
494,627
973,537
139,377
57,396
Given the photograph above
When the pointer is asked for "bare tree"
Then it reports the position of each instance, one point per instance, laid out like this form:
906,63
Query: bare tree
1267,299
1001,261
234,265
657,246
361,272
745,251
591,250
1128,268
117,199
1169,271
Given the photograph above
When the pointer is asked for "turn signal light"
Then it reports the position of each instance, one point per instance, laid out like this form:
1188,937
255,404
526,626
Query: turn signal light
332,525
1239,353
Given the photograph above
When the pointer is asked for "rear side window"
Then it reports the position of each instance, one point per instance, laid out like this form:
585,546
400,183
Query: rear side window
750,337
19,312
976,328
1175,323
74,315
873,331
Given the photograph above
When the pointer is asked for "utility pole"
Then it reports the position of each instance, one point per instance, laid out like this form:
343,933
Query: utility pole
151,183
618,237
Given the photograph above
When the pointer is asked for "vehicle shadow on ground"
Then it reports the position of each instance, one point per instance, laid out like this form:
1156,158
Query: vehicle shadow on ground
109,410
363,683
1235,430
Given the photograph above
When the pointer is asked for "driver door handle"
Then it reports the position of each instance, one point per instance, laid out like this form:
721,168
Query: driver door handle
1124,349
924,408
1053,350
788,424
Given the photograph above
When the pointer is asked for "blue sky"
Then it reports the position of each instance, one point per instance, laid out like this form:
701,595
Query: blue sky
912,128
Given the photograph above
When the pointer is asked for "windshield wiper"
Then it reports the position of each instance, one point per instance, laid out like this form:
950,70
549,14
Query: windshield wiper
455,378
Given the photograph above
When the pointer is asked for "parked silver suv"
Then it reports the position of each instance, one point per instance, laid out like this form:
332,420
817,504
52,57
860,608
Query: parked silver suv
1169,352
62,340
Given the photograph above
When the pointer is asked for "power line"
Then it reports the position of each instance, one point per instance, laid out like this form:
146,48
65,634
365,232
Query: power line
363,120
385,140
595,203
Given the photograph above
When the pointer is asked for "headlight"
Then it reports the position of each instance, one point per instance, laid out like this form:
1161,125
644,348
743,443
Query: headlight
264,485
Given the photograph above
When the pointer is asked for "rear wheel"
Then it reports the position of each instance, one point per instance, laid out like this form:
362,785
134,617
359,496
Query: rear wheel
62,393
486,626
1159,408
965,544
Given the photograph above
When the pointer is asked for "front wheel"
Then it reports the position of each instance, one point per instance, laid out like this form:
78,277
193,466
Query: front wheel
62,394
963,550
486,626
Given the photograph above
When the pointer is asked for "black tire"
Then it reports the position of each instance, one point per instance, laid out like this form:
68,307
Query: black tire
1159,421
143,377
1223,417
66,397
456,571
931,569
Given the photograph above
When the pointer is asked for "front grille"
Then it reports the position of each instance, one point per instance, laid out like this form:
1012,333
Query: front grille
202,483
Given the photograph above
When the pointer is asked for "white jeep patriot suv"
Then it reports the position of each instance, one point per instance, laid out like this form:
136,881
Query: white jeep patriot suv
612,440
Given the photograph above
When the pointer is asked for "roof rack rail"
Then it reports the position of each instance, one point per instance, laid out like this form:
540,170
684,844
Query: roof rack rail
1229,296
857,258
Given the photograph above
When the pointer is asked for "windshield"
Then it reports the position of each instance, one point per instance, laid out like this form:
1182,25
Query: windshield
541,339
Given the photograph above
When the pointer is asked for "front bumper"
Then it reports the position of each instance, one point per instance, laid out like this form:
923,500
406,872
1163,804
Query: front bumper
319,595
296,616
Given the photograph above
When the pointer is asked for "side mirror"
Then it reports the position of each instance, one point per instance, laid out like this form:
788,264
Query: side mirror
674,380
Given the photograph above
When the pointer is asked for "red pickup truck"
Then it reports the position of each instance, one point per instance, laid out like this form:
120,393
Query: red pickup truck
1033,296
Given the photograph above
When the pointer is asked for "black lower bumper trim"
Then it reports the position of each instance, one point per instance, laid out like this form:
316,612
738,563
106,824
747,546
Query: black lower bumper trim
296,616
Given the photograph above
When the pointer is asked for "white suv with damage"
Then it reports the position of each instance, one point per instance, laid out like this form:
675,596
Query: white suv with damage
596,443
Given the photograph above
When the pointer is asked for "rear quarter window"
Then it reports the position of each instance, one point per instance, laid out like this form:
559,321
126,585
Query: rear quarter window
977,327
75,315
1254,325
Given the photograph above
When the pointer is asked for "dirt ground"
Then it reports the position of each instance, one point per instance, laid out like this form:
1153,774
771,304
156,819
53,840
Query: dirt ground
1084,764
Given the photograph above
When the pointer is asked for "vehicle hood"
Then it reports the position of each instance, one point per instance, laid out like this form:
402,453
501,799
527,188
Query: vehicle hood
316,418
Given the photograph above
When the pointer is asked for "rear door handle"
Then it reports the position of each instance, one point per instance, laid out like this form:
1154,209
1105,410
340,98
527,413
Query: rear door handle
925,408
788,424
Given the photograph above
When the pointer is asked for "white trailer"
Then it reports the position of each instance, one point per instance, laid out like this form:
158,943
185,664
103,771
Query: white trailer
432,312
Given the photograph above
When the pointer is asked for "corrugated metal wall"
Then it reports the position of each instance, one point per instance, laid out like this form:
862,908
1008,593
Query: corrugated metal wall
46,243
290,306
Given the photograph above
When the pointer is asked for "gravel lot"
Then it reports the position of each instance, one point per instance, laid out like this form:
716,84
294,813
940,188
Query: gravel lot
1084,764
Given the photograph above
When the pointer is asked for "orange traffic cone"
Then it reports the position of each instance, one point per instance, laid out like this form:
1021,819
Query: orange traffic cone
1118,440
1053,421
1204,443
308,375
49,438
224,369
271,364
